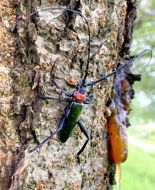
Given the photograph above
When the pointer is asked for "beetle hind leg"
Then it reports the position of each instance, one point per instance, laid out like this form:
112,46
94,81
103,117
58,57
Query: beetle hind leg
83,130
45,140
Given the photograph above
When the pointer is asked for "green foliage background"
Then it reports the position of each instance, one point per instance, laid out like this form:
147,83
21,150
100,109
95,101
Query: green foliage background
138,171
144,37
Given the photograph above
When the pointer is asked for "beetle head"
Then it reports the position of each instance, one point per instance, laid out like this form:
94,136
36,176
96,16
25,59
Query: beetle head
80,87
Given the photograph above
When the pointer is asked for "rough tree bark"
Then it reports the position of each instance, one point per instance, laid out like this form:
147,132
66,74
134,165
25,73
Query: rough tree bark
54,45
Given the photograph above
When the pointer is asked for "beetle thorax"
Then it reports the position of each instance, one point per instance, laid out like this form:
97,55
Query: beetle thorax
79,97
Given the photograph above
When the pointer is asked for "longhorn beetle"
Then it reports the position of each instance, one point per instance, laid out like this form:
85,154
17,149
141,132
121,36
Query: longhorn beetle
77,99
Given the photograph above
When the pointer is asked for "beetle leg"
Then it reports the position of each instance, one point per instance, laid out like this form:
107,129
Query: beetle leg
64,116
52,98
61,124
67,110
62,90
44,141
83,130
49,137
87,102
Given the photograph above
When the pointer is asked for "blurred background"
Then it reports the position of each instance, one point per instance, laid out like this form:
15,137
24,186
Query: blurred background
138,172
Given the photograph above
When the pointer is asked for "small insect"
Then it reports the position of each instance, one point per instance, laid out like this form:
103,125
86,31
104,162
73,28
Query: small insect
79,98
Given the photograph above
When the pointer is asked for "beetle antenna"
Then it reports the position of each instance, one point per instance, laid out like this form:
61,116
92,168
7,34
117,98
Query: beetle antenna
127,62
88,44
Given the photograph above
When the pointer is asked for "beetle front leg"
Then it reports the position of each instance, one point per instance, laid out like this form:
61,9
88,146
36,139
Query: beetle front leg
52,98
61,89
83,130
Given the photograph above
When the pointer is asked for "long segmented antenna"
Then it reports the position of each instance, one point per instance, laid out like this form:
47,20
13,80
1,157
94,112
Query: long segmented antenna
88,49
91,83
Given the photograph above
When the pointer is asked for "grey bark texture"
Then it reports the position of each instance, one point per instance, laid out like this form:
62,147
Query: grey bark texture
54,45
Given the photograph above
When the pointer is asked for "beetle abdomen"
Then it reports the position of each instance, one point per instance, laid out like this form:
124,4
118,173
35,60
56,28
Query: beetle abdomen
70,121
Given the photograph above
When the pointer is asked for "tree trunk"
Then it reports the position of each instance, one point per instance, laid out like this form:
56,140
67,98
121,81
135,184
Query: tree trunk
54,45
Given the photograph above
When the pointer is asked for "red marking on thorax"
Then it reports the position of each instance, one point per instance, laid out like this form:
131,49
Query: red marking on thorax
79,97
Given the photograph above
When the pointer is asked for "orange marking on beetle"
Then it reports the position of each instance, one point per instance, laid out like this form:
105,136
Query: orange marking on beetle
72,81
